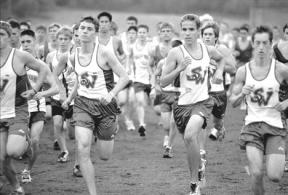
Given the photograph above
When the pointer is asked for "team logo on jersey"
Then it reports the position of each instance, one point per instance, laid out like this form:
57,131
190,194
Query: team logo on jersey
197,75
88,80
260,98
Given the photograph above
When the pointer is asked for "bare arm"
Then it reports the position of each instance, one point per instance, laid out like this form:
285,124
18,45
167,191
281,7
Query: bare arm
118,69
237,95
230,65
36,65
172,68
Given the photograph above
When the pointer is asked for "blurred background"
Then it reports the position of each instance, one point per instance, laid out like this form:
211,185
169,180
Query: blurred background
234,12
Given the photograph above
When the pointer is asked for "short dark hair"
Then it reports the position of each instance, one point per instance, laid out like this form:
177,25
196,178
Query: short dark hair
143,26
262,29
133,18
41,27
25,24
106,14
212,25
244,27
90,19
284,27
14,24
132,28
191,17
28,32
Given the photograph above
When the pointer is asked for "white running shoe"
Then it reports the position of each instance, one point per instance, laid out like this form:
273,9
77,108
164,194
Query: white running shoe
26,177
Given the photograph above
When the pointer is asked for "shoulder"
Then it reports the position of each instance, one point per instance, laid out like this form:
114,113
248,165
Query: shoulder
241,72
280,67
22,54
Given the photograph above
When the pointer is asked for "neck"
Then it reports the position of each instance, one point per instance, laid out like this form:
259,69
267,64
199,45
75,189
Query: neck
166,42
142,42
15,45
262,62
192,45
4,51
87,47
104,34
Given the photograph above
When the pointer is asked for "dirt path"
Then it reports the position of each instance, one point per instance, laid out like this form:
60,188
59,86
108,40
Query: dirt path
137,167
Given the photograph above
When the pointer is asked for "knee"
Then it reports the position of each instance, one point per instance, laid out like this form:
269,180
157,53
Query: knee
275,177
257,174
190,137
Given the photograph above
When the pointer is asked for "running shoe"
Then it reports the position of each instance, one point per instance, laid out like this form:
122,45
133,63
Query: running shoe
130,125
141,131
286,166
18,191
195,189
77,171
26,177
63,157
168,152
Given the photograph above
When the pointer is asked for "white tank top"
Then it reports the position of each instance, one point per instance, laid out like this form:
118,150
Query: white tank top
33,105
60,77
141,59
261,102
11,88
194,78
7,88
94,82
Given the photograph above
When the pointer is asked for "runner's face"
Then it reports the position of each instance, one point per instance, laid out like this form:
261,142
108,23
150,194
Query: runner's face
104,24
166,34
189,31
243,34
15,35
132,35
27,43
76,38
52,32
64,42
142,34
87,32
209,36
40,34
4,38
286,34
261,45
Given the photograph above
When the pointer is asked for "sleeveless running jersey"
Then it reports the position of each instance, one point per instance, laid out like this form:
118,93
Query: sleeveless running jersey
244,55
260,103
35,105
94,82
194,79
11,87
141,59
60,77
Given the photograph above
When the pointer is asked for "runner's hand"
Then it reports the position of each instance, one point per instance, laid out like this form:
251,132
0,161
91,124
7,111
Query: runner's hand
29,94
247,89
182,66
107,99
